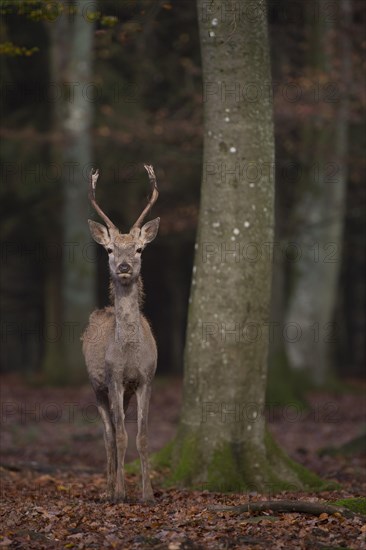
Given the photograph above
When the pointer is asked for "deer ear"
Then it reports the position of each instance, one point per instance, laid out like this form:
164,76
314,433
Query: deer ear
99,233
149,231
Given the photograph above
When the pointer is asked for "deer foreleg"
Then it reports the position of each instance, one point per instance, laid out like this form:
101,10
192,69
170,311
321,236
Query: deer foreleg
117,396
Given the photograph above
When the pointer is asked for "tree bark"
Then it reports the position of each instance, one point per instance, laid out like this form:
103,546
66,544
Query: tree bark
222,442
72,51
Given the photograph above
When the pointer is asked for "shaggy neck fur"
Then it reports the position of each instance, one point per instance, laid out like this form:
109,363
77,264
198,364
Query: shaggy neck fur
127,300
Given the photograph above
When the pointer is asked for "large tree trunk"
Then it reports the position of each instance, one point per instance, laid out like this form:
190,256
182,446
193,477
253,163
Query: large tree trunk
319,212
222,442
72,52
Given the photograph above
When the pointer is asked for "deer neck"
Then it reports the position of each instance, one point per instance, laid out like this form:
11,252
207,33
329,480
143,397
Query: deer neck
127,312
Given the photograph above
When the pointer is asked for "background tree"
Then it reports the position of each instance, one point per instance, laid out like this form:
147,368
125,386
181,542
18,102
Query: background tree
316,123
70,285
222,441
318,213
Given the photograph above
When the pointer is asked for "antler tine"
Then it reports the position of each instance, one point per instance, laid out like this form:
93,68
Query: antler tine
94,175
154,195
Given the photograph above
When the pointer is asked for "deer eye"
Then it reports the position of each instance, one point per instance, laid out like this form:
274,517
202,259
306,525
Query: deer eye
139,250
109,250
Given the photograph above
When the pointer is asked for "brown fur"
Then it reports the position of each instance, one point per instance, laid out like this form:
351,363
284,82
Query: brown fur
141,292
118,345
120,352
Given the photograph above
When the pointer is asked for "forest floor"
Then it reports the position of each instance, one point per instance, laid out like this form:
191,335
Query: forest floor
52,470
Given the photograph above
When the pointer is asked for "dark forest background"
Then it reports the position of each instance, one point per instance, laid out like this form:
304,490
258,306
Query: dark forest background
144,96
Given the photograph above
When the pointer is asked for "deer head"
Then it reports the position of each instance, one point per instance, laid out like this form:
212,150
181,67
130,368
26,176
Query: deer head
124,250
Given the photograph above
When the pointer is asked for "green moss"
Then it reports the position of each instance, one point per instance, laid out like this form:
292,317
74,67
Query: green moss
356,505
186,458
160,461
224,473
163,458
133,467
240,467
244,468
234,468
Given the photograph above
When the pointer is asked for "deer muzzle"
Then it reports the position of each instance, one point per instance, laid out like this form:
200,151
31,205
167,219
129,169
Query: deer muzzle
124,269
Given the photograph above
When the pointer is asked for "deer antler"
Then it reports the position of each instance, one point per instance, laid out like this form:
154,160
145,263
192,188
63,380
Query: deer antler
93,178
154,196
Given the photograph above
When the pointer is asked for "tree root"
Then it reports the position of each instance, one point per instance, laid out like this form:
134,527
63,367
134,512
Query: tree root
314,508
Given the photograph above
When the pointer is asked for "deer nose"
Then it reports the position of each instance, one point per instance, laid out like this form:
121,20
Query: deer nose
124,268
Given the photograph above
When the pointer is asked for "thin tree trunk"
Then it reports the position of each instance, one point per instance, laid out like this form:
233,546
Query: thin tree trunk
320,210
72,52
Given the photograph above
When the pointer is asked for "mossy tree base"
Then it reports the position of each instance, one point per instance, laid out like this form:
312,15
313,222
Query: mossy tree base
234,468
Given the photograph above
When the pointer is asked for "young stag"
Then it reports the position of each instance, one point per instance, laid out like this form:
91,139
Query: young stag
118,345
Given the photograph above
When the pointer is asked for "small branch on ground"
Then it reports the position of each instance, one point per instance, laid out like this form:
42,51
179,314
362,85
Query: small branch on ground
314,508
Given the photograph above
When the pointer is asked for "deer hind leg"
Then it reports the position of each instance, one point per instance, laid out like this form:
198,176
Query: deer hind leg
143,399
116,401
109,442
